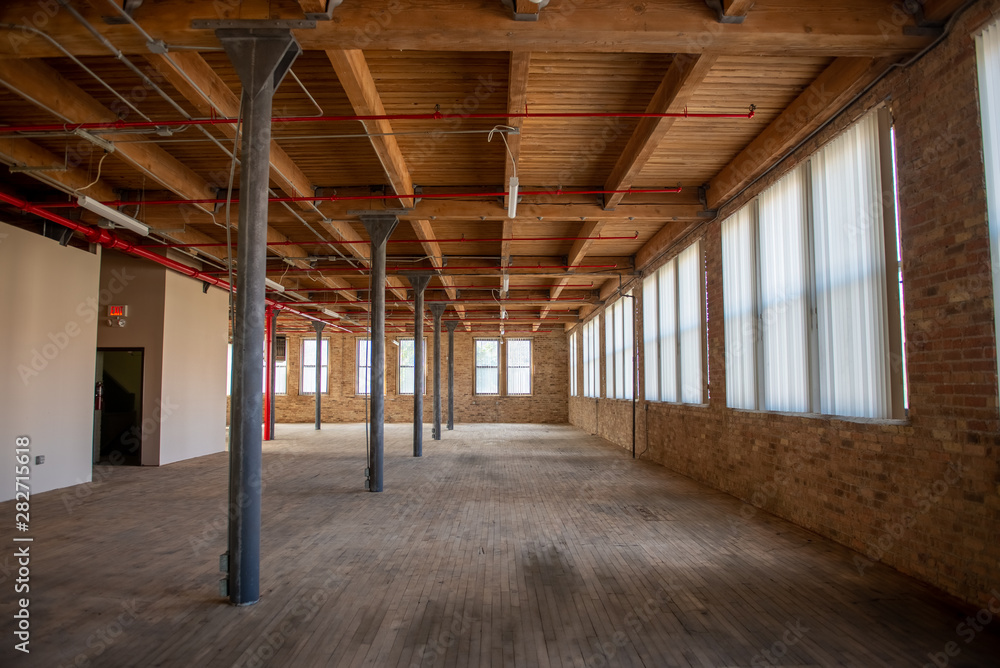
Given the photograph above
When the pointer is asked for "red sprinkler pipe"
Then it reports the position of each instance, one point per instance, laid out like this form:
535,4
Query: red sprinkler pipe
366,242
407,269
437,115
349,198
114,242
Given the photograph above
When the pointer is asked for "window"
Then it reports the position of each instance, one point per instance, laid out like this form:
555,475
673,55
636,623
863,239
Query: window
518,366
363,370
280,372
308,376
280,365
674,329
618,348
572,365
487,353
988,57
591,355
810,294
407,372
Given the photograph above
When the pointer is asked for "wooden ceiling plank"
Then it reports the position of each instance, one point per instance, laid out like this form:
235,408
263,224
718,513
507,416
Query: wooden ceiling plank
200,85
683,77
939,11
40,84
356,79
831,90
467,211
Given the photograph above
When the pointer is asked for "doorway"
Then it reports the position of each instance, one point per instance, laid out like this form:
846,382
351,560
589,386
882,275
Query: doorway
118,406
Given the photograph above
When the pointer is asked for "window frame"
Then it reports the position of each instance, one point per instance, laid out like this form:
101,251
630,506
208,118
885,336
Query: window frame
505,360
399,366
476,366
302,364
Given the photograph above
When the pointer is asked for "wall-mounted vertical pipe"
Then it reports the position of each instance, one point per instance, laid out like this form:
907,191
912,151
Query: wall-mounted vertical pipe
261,58
379,228
419,283
318,326
269,369
437,310
451,324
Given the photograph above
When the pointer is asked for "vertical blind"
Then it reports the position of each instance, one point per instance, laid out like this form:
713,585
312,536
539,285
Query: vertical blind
674,329
988,57
810,311
591,355
609,353
364,371
308,383
783,286
572,364
407,371
739,306
487,366
851,295
619,357
518,366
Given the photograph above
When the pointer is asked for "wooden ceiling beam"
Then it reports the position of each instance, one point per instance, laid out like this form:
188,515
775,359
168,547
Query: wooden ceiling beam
200,85
853,27
819,102
576,255
43,86
356,79
737,7
939,11
684,75
517,100
481,211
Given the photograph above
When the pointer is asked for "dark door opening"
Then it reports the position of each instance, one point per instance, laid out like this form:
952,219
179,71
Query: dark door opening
118,407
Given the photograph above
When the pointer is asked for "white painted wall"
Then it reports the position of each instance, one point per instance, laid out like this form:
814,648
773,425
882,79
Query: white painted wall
48,341
195,344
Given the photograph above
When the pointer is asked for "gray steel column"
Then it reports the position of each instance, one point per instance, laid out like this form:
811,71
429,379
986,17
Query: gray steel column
261,59
274,365
318,326
437,310
379,227
419,283
451,324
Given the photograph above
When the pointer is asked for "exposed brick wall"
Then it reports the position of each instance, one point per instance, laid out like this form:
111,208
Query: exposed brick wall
547,404
921,494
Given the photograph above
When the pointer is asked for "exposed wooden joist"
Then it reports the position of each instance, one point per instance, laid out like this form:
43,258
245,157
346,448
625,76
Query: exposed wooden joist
424,232
313,6
854,27
831,90
356,79
200,85
939,11
662,241
683,76
576,255
526,7
517,99
737,7
467,210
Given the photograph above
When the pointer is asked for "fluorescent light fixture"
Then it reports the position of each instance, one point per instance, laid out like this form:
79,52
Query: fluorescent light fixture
274,285
506,283
512,198
95,140
332,314
116,217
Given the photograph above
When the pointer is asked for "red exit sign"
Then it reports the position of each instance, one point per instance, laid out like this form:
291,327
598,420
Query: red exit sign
117,311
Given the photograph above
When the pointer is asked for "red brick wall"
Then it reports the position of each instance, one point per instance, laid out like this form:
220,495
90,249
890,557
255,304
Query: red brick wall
921,494
547,403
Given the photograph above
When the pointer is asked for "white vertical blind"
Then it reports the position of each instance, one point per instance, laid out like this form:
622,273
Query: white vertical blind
572,364
784,295
308,384
364,374
691,320
669,376
487,366
988,57
609,354
407,372
586,360
518,366
739,305
651,338
849,251
628,337
594,353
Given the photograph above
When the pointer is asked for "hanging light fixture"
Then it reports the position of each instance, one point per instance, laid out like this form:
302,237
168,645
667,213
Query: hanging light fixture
113,215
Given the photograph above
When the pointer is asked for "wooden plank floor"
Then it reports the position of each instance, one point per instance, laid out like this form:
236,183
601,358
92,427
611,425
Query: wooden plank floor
505,545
